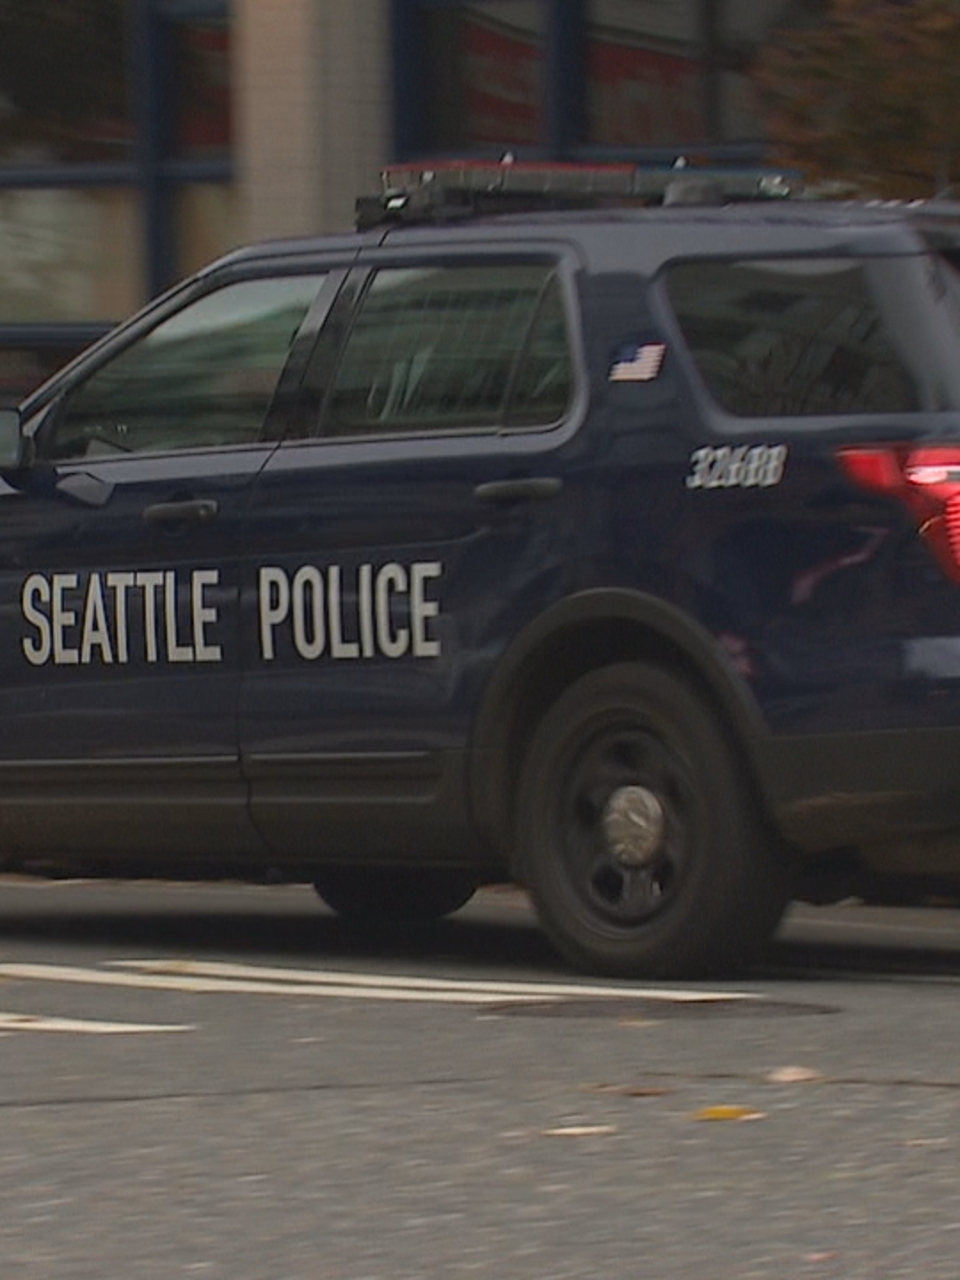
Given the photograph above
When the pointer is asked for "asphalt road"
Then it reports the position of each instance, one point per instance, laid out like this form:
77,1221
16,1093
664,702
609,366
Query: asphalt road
220,1082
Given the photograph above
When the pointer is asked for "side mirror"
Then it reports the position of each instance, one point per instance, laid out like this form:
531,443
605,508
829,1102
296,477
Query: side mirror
12,451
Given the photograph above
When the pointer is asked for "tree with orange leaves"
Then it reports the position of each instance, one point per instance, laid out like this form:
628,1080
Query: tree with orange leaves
868,93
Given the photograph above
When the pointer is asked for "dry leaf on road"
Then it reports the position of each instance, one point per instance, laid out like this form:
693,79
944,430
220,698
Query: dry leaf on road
729,1113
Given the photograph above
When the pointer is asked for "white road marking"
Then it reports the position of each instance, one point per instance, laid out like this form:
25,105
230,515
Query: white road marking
39,1022
222,986
228,979
389,982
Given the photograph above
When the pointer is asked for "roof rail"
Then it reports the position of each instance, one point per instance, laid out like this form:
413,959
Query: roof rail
455,189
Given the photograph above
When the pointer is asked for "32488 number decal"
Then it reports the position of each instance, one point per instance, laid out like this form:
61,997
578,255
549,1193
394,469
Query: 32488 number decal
745,466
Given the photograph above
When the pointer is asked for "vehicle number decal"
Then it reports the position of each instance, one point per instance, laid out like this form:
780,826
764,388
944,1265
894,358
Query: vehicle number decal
745,466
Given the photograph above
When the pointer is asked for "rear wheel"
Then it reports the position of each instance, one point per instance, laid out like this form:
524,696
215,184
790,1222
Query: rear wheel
639,841
394,897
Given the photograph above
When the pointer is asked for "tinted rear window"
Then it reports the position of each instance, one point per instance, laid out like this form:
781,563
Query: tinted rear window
801,337
790,338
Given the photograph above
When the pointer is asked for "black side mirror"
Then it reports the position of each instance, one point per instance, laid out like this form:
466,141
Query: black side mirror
12,450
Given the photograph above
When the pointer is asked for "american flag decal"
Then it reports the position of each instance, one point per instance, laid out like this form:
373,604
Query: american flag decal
638,364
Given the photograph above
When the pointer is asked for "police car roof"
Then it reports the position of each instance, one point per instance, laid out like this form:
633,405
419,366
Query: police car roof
642,239
608,240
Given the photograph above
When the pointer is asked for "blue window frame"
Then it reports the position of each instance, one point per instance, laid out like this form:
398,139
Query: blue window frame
151,165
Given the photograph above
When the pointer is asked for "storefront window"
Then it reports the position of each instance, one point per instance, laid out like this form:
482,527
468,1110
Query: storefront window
484,65
64,91
678,75
644,74
202,89
745,26
69,255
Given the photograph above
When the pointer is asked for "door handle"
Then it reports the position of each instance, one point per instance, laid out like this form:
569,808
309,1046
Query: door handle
193,511
524,490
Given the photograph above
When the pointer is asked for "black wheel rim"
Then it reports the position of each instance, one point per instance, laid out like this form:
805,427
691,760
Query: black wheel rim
617,892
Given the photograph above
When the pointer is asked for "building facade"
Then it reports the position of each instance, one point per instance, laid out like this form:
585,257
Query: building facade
141,138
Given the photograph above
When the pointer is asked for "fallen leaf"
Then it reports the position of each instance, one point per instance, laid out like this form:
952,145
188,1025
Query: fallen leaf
824,1256
925,1142
794,1075
580,1131
729,1113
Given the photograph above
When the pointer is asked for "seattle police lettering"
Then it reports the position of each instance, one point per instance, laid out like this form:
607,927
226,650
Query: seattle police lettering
327,616
120,617
161,616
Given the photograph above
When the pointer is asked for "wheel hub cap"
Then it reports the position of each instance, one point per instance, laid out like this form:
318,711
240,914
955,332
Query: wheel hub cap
633,823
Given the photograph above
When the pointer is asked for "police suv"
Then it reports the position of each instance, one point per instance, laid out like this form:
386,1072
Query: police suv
609,545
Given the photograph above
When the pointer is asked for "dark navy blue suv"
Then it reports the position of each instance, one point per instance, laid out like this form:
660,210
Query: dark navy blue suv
611,551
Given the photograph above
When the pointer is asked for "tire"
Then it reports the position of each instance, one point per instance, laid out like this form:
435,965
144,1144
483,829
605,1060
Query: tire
394,897
639,841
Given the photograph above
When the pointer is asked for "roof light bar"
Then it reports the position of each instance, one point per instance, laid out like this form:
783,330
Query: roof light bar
449,189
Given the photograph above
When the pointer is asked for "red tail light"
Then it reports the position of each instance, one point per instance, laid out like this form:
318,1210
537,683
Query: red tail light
926,480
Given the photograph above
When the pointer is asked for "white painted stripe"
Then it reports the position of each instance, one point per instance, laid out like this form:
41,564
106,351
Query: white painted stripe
386,982
225,986
209,978
39,1022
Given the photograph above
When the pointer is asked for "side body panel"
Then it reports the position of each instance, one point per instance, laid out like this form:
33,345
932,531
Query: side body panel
813,614
386,580
120,662
120,564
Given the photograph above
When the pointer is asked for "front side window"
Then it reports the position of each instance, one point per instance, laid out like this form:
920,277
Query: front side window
434,348
802,337
202,378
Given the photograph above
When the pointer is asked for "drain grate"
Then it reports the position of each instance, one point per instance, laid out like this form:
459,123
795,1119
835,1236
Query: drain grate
636,1008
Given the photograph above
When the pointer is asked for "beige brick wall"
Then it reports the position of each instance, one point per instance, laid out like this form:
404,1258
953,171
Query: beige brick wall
312,110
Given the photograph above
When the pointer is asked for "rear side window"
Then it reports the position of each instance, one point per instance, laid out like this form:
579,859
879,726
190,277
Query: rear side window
791,338
446,347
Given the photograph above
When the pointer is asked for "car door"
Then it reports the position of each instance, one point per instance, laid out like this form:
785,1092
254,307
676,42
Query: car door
417,517
119,578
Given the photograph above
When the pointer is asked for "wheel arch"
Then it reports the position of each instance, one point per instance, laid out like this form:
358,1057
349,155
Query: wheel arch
588,630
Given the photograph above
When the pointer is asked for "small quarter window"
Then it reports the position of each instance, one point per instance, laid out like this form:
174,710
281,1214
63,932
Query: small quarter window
790,338
435,348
